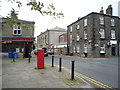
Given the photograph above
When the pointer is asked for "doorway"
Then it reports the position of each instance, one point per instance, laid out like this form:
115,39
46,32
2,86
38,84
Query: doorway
113,51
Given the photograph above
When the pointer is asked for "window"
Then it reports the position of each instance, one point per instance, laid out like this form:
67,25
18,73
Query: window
101,20
17,29
74,49
85,22
71,50
85,34
112,34
46,39
61,39
112,22
78,49
71,29
43,39
102,33
102,48
70,38
78,37
85,48
78,26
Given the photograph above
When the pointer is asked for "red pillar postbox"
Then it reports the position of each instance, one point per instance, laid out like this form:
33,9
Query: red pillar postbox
40,58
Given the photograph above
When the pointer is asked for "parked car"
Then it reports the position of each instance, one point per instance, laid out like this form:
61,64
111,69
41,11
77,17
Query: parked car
50,52
45,51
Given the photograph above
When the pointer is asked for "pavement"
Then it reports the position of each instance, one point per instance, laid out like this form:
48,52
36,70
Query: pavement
22,74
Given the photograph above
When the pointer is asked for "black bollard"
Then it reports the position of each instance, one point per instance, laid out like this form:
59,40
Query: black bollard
72,71
29,58
13,57
60,64
52,61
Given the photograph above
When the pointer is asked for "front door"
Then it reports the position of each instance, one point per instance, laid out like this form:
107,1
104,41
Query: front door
26,50
113,51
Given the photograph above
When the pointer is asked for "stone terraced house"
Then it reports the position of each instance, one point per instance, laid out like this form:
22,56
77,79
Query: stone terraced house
95,35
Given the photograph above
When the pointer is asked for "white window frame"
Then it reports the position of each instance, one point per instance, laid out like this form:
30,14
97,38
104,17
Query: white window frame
78,49
61,39
78,26
74,49
70,28
112,22
85,22
102,48
85,48
101,20
46,39
71,51
78,38
112,34
102,33
17,28
70,38
85,34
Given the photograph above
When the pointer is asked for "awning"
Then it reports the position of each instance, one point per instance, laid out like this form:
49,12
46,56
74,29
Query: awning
17,39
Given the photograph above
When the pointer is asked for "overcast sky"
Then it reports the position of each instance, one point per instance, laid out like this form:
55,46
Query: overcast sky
72,9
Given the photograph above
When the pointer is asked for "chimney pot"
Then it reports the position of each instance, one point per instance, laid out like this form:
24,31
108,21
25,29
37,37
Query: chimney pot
109,10
102,11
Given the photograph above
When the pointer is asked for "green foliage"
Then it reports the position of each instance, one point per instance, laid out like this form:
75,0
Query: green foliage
36,68
13,14
74,80
19,4
39,69
38,6
12,18
12,62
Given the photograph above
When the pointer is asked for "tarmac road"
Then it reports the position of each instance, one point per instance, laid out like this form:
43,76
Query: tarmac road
104,70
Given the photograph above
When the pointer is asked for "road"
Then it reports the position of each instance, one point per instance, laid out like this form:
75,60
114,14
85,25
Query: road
104,70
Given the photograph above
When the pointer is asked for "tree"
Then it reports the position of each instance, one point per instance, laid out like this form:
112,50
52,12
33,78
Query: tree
37,6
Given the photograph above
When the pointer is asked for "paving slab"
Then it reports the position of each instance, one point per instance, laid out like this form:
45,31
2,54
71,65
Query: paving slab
21,74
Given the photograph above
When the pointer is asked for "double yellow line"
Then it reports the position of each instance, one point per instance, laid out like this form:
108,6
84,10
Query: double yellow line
91,80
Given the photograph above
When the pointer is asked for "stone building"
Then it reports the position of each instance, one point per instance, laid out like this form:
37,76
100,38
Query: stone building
95,35
61,47
17,36
50,39
119,9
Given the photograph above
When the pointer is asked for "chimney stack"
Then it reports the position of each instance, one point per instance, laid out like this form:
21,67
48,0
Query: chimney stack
102,11
109,10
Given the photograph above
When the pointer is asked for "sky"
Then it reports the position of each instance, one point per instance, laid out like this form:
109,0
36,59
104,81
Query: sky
72,9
